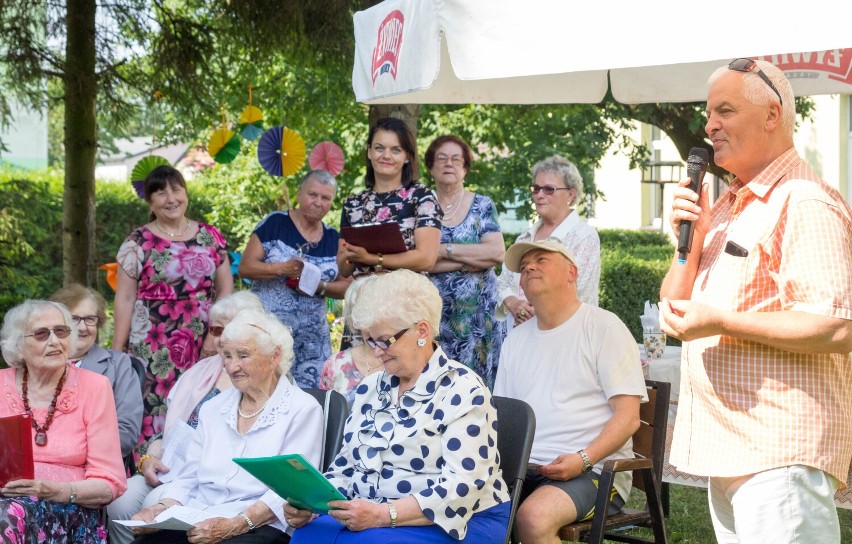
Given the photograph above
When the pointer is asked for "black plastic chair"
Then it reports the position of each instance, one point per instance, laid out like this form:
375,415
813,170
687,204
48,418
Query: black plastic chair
335,410
515,433
139,367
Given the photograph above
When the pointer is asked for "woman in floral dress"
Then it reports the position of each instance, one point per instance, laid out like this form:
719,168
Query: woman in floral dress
169,273
392,195
471,246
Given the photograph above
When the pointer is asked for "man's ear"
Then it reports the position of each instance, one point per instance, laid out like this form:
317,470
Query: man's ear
774,117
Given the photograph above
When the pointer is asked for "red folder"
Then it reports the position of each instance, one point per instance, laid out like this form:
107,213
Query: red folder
384,238
16,454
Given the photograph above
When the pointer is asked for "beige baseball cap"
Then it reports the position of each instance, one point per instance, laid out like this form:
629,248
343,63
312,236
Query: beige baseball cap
517,251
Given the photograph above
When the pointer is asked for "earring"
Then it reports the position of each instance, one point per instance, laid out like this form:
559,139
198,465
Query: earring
406,162
421,342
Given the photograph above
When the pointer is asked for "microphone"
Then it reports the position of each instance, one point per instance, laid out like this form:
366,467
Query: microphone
696,167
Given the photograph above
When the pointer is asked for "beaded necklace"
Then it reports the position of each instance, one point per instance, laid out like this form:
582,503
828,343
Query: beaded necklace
41,431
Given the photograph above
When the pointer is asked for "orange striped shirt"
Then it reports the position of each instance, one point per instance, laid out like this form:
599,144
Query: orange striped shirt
747,407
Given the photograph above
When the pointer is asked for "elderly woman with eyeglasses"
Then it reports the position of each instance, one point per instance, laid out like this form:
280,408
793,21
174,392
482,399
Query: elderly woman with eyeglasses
78,466
88,313
204,381
262,415
275,256
419,460
556,189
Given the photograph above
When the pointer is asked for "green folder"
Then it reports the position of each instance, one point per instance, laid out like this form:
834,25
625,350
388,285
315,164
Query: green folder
293,479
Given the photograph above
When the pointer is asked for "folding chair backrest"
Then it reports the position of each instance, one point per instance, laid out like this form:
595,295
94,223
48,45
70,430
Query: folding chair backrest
335,411
649,440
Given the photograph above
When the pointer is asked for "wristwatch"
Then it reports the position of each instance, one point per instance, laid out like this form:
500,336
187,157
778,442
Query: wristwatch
587,463
392,513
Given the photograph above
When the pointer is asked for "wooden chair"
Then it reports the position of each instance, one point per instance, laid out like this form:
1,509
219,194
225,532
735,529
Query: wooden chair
515,433
649,443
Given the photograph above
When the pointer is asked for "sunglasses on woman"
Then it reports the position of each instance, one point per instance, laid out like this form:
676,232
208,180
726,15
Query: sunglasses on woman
43,333
216,330
548,189
385,344
748,65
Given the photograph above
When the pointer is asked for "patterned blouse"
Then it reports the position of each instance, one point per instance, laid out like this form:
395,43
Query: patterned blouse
438,444
412,208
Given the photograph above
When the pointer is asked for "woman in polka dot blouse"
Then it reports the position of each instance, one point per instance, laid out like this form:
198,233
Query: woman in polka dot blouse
419,461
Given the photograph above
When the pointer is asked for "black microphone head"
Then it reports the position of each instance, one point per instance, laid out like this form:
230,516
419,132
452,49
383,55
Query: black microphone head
698,159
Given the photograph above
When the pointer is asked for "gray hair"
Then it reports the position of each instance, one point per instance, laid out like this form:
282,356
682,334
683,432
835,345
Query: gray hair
398,299
756,91
15,325
566,170
226,308
266,332
320,176
350,300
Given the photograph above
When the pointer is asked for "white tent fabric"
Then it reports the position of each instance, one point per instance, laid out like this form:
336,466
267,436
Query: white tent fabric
556,51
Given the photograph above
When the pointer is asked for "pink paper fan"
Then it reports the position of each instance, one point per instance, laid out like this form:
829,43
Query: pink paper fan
327,156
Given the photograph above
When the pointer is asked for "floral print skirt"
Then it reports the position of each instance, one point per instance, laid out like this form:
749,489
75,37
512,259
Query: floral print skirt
29,520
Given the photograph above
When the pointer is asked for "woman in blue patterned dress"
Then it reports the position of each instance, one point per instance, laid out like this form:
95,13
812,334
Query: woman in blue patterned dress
274,258
471,246
419,460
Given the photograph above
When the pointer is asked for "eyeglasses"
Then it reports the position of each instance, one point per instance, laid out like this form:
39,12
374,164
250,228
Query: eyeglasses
748,65
385,344
457,160
548,189
89,320
43,333
215,330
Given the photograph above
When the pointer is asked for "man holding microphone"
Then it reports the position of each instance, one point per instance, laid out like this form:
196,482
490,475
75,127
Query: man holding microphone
764,306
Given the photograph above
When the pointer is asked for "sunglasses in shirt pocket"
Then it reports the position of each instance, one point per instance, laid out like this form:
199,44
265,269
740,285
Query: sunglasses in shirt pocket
733,248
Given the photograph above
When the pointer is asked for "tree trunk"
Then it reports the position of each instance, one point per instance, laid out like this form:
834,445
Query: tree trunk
80,83
408,113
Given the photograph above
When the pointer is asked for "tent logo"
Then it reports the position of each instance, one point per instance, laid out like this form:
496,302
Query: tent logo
836,64
388,44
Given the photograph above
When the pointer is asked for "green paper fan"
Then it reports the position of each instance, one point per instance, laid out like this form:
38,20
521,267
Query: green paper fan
224,146
144,167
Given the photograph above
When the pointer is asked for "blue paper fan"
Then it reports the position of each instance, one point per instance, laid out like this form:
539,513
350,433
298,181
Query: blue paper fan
269,151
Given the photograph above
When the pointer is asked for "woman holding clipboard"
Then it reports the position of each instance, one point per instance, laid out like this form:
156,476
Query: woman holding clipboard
392,196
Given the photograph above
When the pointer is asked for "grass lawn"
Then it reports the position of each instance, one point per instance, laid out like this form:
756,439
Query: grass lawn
689,520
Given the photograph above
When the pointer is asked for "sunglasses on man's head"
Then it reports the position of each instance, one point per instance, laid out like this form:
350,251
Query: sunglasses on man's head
43,333
749,65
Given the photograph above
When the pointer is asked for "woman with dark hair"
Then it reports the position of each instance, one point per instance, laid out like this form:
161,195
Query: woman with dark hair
471,246
170,272
392,195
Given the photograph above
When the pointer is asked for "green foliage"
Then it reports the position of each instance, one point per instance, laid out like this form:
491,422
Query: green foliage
633,264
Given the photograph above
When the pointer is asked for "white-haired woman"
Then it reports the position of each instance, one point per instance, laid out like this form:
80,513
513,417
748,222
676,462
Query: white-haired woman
196,386
419,460
274,258
262,415
78,467
556,189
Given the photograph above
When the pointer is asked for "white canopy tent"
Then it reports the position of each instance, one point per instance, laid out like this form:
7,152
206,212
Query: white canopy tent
555,51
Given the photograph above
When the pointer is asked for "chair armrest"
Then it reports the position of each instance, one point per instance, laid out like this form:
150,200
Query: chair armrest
623,465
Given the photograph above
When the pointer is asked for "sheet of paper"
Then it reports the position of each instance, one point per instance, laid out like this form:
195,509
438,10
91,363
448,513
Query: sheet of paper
176,518
174,450
310,279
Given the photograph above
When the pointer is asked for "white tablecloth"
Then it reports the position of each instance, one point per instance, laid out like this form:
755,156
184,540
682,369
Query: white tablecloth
667,369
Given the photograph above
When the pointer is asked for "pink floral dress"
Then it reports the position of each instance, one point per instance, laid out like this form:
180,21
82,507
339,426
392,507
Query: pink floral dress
170,316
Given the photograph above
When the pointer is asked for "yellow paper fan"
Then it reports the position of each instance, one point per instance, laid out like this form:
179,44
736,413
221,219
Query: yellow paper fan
223,146
292,151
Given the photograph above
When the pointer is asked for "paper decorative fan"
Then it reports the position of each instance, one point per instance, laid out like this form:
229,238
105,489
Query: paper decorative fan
327,156
251,123
281,151
144,167
111,274
224,146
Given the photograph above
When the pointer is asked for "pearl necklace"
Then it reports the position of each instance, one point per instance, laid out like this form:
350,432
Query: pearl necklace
253,414
172,234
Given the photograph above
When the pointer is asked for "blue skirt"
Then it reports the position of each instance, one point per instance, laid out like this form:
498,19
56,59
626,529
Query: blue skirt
486,527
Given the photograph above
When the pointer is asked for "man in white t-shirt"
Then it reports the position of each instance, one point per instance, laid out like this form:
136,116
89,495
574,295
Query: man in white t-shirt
578,367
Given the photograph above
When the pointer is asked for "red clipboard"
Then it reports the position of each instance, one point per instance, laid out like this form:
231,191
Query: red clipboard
16,454
384,238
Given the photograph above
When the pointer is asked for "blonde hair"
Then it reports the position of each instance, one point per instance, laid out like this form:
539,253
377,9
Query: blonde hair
266,332
398,299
